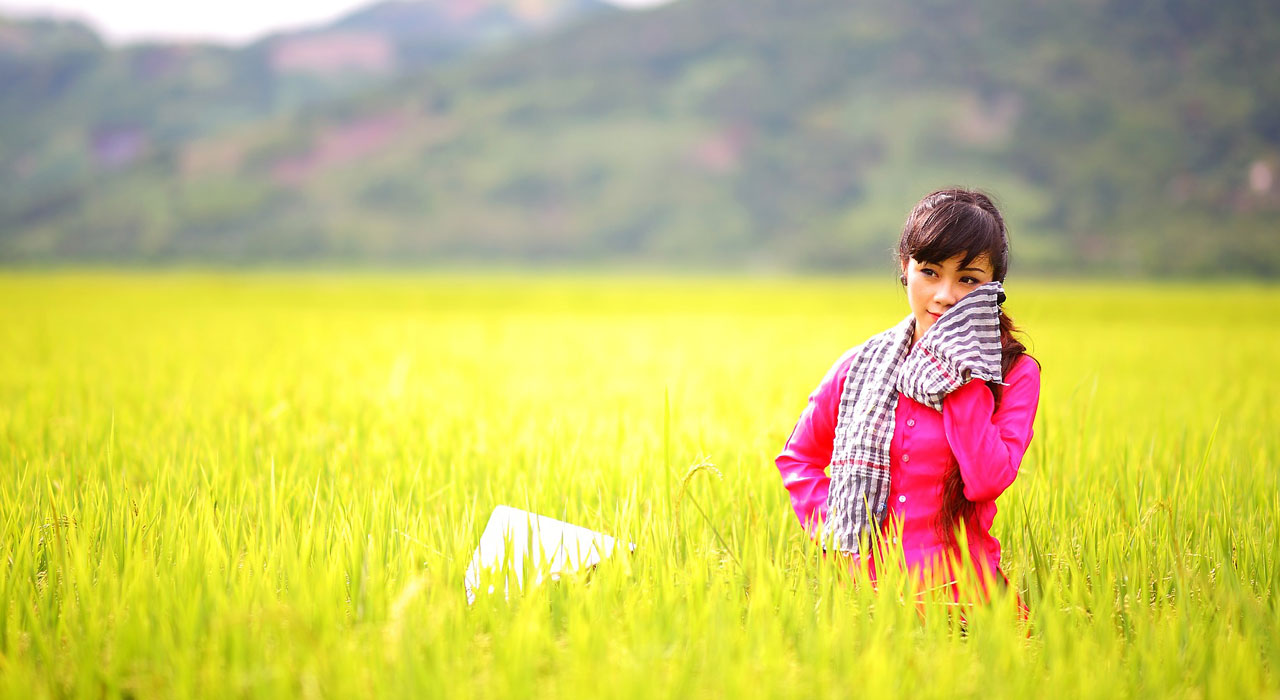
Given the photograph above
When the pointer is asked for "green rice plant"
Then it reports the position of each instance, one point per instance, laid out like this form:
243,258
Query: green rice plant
270,484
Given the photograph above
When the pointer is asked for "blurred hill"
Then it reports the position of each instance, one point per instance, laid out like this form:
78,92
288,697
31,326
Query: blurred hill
1137,136
75,112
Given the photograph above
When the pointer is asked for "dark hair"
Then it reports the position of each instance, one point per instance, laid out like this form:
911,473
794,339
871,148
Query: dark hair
964,222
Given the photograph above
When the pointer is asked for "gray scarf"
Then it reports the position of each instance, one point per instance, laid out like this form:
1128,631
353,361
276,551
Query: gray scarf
963,344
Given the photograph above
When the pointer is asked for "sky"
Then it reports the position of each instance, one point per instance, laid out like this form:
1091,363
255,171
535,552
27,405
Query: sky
227,20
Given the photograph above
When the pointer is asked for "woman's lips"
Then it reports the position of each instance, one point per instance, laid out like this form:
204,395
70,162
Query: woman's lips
935,315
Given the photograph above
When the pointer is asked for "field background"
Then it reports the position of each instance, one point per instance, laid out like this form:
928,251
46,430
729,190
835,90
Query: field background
1121,137
269,484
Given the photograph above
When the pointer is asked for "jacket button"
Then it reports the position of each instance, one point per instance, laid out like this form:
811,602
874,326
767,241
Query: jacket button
902,499
906,458
911,422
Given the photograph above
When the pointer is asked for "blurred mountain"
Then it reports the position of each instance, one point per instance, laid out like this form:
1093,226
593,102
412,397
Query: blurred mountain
74,110
402,35
1121,136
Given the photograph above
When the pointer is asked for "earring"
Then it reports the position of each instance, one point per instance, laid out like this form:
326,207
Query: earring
903,279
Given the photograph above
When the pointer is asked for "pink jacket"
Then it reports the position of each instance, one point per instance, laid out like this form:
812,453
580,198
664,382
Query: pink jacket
987,444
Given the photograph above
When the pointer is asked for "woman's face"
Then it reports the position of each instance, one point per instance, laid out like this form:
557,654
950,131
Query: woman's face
932,288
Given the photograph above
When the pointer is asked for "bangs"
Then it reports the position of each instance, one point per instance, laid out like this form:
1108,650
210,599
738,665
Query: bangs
949,228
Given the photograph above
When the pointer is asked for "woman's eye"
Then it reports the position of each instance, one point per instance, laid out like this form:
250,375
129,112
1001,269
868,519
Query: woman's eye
927,271
969,280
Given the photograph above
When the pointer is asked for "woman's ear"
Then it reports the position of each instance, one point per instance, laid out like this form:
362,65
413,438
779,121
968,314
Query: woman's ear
903,277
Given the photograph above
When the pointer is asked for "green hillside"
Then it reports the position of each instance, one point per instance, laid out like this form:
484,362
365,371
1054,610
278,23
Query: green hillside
1122,137
75,112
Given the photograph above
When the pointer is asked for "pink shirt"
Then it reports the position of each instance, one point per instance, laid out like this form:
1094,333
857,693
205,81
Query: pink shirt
987,445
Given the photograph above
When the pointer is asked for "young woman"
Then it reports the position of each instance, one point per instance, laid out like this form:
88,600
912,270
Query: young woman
925,424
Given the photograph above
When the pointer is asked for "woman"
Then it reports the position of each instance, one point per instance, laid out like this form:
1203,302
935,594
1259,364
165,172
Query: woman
925,424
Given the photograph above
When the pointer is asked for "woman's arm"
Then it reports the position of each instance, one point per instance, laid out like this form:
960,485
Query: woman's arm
807,454
989,446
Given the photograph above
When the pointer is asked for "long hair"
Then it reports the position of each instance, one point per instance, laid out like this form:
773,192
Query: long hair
947,223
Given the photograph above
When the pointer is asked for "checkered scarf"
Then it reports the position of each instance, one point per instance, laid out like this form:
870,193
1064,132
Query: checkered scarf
963,344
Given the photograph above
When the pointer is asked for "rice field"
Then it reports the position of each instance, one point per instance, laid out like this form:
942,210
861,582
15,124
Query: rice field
270,485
